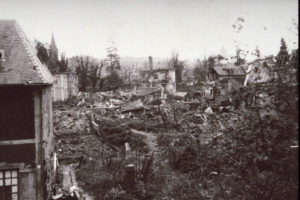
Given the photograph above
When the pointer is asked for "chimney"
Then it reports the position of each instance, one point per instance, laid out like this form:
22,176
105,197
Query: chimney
150,63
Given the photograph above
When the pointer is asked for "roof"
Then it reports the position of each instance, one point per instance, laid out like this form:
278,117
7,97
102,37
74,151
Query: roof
20,64
224,70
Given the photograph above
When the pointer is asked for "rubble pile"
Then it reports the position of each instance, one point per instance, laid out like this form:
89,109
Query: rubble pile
92,127
108,117
86,123
72,136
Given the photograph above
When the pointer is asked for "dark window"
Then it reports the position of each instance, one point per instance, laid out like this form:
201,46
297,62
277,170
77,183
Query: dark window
16,113
9,184
21,153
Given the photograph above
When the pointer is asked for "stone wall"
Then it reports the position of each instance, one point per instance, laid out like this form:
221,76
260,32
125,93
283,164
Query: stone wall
73,88
47,141
65,86
60,88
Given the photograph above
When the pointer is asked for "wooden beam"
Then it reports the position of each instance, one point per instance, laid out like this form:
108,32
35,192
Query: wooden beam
15,142
37,96
12,166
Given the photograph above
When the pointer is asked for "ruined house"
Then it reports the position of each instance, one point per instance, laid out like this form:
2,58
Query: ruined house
227,72
25,118
164,78
159,77
229,77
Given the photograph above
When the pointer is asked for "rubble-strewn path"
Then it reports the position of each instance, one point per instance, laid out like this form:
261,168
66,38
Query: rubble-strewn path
69,181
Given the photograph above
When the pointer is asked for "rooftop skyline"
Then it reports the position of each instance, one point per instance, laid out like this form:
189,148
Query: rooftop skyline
140,28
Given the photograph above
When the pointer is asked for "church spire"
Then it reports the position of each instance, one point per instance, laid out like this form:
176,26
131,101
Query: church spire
53,45
53,51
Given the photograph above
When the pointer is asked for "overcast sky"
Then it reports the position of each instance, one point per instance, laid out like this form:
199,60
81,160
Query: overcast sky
141,28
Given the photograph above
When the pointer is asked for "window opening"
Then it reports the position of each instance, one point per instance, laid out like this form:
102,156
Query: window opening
9,184
1,54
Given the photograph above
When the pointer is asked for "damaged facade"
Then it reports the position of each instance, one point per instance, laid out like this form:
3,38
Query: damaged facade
26,118
160,78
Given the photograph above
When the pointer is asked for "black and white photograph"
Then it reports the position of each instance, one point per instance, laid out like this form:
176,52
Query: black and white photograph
149,99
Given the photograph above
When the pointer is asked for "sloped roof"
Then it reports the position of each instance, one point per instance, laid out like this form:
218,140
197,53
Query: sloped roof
20,64
223,70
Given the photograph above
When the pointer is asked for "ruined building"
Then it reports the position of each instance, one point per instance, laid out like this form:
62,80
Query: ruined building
160,77
25,118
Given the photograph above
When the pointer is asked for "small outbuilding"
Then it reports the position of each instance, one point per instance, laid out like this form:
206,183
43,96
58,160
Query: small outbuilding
25,118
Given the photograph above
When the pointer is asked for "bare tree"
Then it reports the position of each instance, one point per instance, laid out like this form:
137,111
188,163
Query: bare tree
178,65
82,70
201,70
113,60
89,71
95,73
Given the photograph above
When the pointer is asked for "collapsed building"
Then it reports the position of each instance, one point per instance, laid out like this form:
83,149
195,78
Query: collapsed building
26,147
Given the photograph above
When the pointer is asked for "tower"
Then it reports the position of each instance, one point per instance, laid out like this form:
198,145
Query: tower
53,51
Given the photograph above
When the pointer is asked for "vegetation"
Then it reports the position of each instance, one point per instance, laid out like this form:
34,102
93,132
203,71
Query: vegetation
63,64
42,52
113,81
113,60
89,71
178,65
283,55
83,64
55,66
254,158
201,70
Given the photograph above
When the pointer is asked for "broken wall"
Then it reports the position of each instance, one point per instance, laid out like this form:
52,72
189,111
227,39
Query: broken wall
60,88
47,141
65,86
73,88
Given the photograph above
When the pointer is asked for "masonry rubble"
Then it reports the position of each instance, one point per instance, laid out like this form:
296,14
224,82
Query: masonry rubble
105,120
